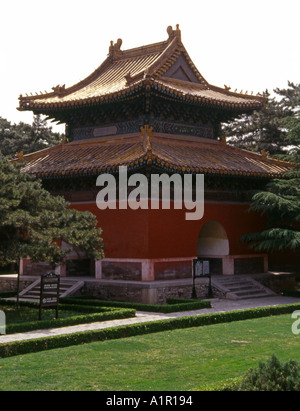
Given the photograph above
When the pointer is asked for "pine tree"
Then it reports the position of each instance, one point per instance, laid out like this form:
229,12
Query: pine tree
42,135
280,203
33,223
281,206
292,122
15,138
266,129
262,130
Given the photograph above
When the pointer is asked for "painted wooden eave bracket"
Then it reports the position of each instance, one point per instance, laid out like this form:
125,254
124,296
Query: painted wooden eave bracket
147,133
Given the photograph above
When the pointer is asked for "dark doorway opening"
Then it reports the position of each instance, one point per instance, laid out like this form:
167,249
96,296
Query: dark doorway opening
80,268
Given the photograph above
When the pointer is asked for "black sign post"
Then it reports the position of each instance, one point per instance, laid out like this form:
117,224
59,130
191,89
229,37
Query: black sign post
201,268
49,294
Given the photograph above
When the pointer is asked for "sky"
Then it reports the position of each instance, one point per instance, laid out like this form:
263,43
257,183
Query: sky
248,45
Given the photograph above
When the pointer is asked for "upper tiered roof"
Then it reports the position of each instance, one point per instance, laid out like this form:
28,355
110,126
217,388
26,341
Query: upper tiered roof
163,67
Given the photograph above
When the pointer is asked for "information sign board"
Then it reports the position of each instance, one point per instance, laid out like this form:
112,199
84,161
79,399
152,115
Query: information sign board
49,292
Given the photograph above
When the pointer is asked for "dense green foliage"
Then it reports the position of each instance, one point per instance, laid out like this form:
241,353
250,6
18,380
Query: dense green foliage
26,138
272,376
173,305
281,205
27,319
274,129
33,223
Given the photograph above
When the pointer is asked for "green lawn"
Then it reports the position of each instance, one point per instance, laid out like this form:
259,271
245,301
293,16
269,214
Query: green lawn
177,360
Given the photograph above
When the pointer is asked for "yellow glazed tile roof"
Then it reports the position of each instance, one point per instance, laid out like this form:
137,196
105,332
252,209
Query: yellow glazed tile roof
125,72
92,157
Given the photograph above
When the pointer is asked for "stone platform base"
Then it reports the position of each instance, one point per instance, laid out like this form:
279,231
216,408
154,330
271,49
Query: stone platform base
155,292
277,281
149,270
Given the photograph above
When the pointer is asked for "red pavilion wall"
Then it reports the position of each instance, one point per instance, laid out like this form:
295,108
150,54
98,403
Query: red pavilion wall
147,245
146,234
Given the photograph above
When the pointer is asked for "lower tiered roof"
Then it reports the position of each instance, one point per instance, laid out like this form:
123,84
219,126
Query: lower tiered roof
173,154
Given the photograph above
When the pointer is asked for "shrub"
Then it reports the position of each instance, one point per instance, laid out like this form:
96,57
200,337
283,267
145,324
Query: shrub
109,315
7,294
173,304
291,293
86,315
272,376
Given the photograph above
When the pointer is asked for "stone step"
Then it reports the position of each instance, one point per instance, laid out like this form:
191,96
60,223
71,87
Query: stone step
30,297
247,296
254,291
241,287
36,290
37,293
232,282
67,288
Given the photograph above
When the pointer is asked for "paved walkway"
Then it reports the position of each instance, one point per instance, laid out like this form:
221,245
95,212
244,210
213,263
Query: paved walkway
218,305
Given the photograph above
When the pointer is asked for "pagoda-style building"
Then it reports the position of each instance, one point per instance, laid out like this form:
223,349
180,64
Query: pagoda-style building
150,109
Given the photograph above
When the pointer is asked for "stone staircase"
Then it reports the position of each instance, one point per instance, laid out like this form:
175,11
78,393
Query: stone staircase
240,287
66,289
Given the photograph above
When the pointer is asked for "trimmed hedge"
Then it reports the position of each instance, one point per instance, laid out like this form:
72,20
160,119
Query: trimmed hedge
7,294
30,346
73,307
291,293
173,304
93,314
69,321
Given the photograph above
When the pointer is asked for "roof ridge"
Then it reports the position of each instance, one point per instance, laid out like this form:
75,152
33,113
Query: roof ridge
136,51
179,82
262,154
61,91
226,90
171,54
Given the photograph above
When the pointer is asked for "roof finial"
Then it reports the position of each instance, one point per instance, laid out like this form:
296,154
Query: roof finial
115,48
59,90
128,79
174,33
223,140
146,130
264,153
170,31
20,156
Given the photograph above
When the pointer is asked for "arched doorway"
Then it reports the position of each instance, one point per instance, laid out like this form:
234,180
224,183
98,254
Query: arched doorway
213,244
212,240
